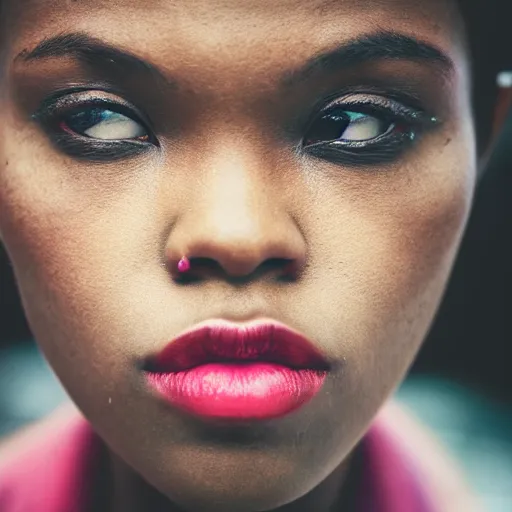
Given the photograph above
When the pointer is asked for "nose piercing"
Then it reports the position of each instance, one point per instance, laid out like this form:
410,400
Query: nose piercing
184,264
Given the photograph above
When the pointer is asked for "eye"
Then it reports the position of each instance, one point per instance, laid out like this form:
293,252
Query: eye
95,125
104,124
365,130
339,124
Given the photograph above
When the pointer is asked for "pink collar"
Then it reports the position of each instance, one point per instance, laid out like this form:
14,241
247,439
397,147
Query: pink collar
390,482
51,468
52,471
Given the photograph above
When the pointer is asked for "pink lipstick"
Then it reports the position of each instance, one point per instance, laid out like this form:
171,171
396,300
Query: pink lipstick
221,370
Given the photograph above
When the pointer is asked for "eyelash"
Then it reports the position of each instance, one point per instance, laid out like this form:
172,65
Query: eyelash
406,125
384,148
55,110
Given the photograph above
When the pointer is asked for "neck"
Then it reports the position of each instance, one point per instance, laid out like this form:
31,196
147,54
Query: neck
130,493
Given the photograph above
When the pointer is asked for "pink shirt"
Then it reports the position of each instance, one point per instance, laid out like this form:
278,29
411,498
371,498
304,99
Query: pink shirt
49,468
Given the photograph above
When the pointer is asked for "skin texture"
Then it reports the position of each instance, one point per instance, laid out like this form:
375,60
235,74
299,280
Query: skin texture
373,244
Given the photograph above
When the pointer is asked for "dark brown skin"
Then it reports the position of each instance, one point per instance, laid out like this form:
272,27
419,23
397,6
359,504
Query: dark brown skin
373,242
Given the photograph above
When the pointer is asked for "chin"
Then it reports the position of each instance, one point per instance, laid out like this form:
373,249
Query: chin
249,482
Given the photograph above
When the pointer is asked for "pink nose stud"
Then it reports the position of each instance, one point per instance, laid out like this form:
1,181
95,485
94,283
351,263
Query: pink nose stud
184,264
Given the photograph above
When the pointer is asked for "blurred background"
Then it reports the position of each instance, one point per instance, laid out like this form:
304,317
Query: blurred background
460,385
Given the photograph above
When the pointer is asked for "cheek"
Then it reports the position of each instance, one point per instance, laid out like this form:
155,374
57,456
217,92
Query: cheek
59,235
382,263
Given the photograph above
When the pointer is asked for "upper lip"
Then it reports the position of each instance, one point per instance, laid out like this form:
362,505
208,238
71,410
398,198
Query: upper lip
221,341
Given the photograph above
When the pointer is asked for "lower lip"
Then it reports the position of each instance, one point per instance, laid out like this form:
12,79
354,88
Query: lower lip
252,391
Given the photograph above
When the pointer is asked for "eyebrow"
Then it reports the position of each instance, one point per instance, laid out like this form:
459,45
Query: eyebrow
384,45
92,51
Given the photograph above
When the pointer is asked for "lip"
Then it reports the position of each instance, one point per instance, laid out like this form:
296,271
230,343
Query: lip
221,370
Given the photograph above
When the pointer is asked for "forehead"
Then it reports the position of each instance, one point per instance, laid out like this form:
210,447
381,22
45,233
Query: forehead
232,28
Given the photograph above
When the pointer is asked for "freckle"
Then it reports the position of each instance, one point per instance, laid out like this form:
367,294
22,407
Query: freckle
6,163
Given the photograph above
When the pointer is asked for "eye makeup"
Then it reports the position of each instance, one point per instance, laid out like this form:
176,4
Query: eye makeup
95,125
355,129
365,129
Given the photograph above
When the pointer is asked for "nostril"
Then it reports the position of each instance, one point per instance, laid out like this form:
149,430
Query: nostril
200,268
290,270
283,267
197,269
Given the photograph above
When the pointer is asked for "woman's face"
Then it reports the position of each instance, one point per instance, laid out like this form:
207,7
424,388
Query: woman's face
333,134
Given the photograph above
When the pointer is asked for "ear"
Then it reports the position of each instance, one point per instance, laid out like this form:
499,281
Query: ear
502,110
503,103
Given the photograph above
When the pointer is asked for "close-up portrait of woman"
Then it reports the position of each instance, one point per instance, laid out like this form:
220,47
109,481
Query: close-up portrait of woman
231,224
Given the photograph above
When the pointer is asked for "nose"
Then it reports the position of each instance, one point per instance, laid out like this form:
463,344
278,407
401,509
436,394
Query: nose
237,223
